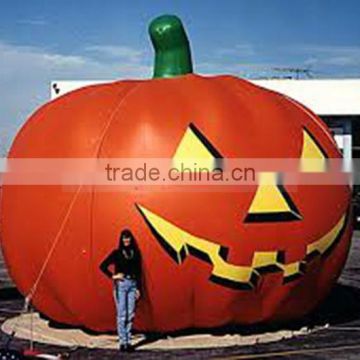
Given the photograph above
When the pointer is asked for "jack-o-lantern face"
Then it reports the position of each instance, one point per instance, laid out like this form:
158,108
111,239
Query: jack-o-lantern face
266,252
271,203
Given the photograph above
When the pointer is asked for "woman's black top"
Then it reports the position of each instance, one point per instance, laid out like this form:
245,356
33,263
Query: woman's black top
125,261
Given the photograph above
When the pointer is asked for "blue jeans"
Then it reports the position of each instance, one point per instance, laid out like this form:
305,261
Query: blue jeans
125,299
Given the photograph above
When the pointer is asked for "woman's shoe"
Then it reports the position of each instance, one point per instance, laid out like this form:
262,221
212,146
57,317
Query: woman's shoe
123,348
130,348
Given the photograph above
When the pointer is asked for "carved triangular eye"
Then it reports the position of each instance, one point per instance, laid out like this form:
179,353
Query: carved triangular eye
313,157
271,202
195,152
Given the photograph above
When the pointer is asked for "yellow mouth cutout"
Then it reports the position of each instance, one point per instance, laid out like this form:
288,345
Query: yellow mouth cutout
179,244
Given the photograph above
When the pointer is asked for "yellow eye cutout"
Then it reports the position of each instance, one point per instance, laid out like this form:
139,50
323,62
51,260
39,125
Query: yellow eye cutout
196,153
271,203
313,157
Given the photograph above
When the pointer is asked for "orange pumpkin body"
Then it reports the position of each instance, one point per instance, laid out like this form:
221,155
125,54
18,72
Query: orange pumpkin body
148,119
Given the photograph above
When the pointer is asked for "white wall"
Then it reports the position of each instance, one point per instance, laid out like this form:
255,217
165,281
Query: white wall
324,97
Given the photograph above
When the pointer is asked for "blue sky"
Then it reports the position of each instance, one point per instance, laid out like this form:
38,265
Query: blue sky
43,40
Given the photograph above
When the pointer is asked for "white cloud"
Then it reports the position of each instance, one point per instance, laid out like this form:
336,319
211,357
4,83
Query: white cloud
335,55
237,50
58,60
249,70
33,22
321,60
115,51
26,73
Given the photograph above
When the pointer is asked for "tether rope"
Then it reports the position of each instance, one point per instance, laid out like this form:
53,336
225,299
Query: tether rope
33,289
73,200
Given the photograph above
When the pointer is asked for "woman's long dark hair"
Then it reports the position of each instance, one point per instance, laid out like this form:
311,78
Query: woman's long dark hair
126,233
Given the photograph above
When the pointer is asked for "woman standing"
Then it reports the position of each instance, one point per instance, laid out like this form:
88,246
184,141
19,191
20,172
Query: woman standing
126,274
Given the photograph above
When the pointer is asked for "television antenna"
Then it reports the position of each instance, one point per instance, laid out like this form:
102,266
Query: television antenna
296,72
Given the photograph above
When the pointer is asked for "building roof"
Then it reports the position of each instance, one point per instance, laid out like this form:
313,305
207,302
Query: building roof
324,97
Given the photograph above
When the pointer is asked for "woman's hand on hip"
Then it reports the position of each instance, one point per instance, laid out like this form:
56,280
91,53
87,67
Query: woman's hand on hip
118,276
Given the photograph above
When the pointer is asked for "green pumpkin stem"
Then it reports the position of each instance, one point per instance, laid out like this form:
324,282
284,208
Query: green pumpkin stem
171,45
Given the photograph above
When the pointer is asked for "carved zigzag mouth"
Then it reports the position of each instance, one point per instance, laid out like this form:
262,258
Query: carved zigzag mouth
179,244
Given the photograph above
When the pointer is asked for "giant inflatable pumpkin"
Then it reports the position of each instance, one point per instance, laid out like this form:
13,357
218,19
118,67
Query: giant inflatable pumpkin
210,258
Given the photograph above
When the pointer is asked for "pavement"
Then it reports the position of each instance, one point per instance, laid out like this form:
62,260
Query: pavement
335,329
